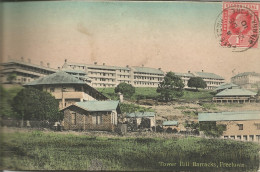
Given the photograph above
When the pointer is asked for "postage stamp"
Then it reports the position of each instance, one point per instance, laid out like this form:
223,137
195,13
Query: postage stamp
237,26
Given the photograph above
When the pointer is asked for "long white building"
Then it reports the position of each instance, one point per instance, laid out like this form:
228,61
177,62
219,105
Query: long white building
102,75
212,80
111,76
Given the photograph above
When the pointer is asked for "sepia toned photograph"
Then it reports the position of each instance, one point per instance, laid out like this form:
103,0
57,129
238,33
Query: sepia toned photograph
130,86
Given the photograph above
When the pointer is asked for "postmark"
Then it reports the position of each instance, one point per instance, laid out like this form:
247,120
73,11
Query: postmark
237,26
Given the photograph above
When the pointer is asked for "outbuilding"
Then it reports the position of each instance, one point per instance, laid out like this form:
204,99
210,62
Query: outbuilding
92,115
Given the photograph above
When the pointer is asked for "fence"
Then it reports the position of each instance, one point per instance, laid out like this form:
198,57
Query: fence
27,123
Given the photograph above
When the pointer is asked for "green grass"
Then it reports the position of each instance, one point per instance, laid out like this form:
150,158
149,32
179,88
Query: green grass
52,151
150,93
14,90
193,95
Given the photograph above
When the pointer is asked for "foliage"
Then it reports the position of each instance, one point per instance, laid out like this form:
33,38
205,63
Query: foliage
32,104
5,105
150,93
171,87
193,126
126,89
53,151
197,82
145,123
209,106
109,92
11,77
129,108
210,128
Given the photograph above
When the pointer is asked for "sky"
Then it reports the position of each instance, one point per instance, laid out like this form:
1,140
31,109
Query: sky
174,36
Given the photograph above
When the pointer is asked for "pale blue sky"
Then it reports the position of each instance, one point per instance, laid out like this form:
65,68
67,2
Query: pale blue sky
177,36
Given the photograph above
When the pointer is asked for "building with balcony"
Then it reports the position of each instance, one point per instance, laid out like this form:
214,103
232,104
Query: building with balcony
247,80
24,71
212,80
111,76
66,88
235,95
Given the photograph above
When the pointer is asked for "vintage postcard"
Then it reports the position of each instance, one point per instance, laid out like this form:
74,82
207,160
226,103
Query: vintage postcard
130,86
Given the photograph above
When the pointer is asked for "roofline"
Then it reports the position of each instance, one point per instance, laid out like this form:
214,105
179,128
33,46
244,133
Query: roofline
89,110
29,64
243,112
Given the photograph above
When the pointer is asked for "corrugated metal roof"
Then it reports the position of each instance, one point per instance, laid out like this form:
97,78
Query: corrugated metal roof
140,114
235,92
207,75
184,74
93,106
225,86
170,123
59,77
147,70
230,116
246,74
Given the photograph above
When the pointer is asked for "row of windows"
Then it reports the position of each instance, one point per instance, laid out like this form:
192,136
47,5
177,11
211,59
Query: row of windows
102,74
150,78
104,79
244,137
141,73
103,85
216,83
30,68
124,81
125,71
96,119
145,83
124,76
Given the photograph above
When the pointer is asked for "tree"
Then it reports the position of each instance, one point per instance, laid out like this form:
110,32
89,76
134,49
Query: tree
5,103
210,128
33,104
11,77
171,87
126,89
197,82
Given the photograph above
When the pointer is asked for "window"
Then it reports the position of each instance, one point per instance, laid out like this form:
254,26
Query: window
240,126
245,137
257,126
251,138
257,138
97,119
239,137
73,118
52,89
232,137
225,137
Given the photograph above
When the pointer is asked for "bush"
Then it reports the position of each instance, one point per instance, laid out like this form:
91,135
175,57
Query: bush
33,104
126,89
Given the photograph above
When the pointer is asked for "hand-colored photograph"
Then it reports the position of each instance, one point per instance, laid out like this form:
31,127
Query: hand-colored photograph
130,86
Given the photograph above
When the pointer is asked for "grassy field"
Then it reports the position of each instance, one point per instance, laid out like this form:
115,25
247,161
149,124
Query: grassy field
150,93
36,150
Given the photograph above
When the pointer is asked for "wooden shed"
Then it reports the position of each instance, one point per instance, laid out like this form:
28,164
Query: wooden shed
92,115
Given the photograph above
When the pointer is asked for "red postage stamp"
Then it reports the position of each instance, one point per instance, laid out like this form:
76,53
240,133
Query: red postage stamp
240,25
